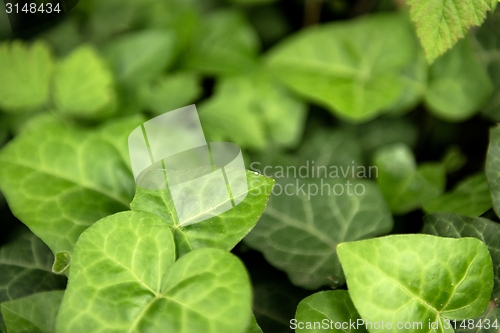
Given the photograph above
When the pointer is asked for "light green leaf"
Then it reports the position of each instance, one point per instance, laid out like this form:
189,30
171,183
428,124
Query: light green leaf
139,57
25,268
58,180
450,94
254,327
83,85
440,23
124,271
351,73
471,197
171,92
224,44
25,73
405,186
33,314
457,226
334,307
493,167
308,217
223,231
253,111
417,279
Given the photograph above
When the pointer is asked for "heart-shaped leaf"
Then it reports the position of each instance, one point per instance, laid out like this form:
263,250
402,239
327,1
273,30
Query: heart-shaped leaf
33,314
417,279
25,268
306,219
58,180
333,310
351,73
471,197
223,231
404,185
124,272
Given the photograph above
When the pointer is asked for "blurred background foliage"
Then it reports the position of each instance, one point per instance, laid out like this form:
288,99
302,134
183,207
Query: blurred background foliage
334,81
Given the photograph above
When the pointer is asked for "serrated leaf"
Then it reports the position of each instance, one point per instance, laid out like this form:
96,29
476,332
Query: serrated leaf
457,226
25,268
334,307
302,227
171,92
223,231
25,73
225,43
440,23
493,167
266,113
405,186
58,180
128,279
417,279
350,74
471,197
139,57
33,314
83,84
450,95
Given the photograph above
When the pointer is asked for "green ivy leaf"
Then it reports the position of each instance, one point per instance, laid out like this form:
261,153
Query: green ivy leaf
350,73
332,306
224,44
171,92
417,279
58,180
457,226
124,271
254,327
83,84
471,197
440,23
493,167
25,269
33,314
266,113
450,94
299,231
223,231
405,186
25,73
139,57
488,322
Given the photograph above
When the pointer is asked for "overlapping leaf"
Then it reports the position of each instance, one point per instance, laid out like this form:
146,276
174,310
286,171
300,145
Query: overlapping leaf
253,111
59,180
223,231
493,167
417,279
404,185
33,314
329,308
124,272
306,219
471,197
441,23
25,269
25,73
351,73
